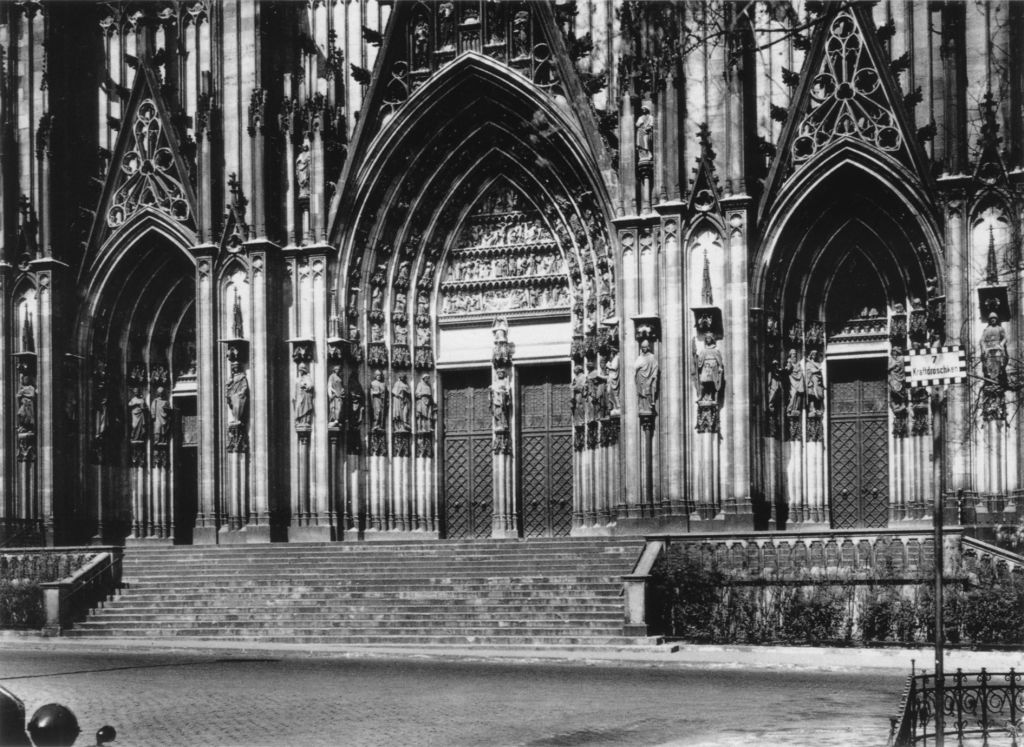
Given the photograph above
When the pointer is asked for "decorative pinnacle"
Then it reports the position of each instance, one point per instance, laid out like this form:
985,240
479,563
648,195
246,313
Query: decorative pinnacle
706,297
991,270
236,316
704,138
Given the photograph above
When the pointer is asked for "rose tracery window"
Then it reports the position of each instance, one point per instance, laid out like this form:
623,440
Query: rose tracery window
847,97
150,178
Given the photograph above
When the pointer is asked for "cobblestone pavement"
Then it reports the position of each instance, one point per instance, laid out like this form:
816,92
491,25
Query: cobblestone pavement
188,698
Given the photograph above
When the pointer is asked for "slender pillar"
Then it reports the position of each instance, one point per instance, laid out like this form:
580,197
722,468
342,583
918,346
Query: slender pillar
958,423
208,510
737,489
628,504
504,522
674,359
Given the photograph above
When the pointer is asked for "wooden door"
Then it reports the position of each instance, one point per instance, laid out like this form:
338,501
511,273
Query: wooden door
545,450
468,501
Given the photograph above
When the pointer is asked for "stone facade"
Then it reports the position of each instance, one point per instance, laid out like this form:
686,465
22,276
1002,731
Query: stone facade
355,270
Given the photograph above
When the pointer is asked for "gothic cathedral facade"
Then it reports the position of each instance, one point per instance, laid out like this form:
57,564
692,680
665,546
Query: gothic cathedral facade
356,269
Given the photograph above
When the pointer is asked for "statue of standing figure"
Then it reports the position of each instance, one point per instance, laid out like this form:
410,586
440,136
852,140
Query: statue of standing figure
597,397
26,406
425,408
238,395
612,388
160,409
815,384
302,171
993,350
644,137
645,374
137,412
303,398
335,397
378,401
401,403
578,401
710,371
501,401
795,371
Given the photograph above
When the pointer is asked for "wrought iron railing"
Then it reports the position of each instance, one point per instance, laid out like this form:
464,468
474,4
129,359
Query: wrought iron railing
979,708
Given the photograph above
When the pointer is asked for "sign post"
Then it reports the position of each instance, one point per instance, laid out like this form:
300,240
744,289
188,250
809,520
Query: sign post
938,366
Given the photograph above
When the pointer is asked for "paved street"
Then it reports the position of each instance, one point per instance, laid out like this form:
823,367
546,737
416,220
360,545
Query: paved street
189,698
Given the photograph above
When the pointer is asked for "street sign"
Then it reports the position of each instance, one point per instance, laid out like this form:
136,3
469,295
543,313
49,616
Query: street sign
935,366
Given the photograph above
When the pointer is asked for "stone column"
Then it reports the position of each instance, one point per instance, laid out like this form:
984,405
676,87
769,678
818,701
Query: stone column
265,465
674,359
401,459
504,523
6,471
737,491
48,275
376,517
425,409
958,423
209,510
628,504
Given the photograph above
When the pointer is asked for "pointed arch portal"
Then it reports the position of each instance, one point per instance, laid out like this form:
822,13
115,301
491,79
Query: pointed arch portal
476,260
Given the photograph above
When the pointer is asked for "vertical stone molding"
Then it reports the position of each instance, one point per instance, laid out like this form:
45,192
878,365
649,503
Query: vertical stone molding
504,521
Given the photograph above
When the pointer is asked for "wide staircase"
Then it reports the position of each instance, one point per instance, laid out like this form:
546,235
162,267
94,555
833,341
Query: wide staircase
554,592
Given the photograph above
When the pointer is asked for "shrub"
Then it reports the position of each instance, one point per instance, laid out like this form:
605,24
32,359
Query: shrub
21,605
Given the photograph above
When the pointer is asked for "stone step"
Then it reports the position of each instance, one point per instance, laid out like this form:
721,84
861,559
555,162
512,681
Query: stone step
315,632
374,622
510,639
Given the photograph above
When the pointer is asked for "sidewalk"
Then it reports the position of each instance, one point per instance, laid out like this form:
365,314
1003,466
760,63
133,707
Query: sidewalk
796,658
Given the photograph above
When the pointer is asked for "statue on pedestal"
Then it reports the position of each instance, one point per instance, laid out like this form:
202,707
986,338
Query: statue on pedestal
644,137
302,171
401,403
501,401
137,412
160,409
993,350
425,407
578,401
645,374
794,370
815,384
303,401
710,371
238,395
355,401
597,397
335,397
378,401
26,406
612,389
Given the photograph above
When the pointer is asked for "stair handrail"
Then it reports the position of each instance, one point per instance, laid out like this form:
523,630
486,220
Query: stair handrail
634,587
68,599
1008,556
901,726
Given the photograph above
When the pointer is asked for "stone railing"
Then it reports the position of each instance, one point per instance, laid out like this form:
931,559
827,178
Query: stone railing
73,580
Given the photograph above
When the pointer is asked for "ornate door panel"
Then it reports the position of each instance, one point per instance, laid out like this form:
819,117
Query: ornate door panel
468,478
858,443
545,451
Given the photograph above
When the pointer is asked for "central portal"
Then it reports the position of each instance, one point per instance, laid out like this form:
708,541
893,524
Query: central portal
545,464
859,448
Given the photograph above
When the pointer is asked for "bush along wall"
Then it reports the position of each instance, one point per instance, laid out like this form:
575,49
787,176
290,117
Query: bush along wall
700,602
21,605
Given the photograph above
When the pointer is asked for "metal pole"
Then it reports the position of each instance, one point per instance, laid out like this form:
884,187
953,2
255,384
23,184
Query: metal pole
939,631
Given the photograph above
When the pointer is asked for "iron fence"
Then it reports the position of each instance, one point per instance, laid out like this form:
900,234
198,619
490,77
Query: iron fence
979,708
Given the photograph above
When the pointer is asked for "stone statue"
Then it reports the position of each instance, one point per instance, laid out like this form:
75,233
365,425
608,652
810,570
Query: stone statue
612,388
897,372
644,137
137,412
401,403
238,395
160,409
815,383
378,401
26,406
335,397
597,398
710,370
645,373
774,396
302,171
993,350
501,401
102,419
446,14
578,402
425,408
420,44
355,401
795,372
303,401
521,34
